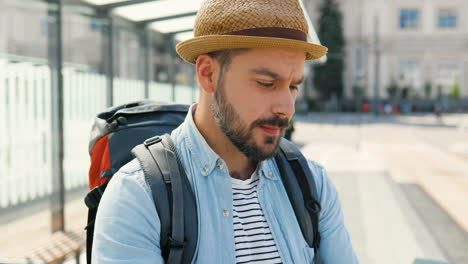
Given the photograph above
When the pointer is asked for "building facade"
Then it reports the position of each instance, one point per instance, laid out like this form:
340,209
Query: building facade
418,44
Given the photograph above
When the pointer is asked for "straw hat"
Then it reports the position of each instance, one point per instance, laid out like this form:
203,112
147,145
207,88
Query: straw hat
232,24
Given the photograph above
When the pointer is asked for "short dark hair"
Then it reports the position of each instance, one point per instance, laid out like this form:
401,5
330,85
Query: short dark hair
224,57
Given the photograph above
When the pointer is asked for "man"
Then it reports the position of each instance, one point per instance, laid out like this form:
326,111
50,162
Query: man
249,58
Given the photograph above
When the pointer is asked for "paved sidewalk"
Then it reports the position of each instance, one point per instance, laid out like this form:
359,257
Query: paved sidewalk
409,148
384,227
382,224
403,192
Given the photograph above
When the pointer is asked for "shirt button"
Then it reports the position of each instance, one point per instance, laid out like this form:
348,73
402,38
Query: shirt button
205,169
220,166
225,213
270,173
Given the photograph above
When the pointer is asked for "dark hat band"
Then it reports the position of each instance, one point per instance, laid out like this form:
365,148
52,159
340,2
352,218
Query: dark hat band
273,32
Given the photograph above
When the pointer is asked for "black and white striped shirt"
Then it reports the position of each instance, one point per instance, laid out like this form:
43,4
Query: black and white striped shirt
252,235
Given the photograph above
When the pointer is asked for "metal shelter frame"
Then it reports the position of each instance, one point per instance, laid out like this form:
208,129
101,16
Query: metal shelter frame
55,58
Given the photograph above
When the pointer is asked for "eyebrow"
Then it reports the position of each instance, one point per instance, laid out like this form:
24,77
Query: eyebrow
273,75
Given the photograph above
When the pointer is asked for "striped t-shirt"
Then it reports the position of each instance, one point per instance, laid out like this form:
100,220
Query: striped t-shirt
252,235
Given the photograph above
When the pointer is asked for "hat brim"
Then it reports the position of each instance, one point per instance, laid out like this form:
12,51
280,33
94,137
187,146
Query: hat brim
190,49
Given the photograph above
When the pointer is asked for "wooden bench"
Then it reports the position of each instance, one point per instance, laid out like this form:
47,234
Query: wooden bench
59,247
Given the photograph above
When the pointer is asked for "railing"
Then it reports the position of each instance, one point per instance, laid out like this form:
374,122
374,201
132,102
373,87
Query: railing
25,132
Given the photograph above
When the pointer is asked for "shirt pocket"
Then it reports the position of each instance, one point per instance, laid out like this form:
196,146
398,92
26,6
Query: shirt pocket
308,254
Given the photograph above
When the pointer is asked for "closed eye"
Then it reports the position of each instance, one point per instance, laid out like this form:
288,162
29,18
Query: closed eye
266,84
294,87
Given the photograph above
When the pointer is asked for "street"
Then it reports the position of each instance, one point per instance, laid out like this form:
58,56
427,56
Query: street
403,182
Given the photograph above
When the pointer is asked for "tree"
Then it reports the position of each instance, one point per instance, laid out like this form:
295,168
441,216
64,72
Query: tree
392,90
455,91
405,92
329,76
428,89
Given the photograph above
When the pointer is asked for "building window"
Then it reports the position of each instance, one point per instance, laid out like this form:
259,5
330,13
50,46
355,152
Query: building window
409,18
447,18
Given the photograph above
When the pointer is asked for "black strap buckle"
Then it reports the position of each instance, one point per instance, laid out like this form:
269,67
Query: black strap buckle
313,206
176,244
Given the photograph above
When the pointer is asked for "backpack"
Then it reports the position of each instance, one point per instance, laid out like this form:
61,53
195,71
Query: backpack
140,130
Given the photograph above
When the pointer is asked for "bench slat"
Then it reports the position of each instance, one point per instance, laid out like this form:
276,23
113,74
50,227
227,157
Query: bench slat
59,247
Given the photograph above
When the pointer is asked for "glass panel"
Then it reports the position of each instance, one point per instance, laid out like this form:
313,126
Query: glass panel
161,87
127,54
447,18
184,81
31,40
128,65
409,18
83,40
84,87
25,110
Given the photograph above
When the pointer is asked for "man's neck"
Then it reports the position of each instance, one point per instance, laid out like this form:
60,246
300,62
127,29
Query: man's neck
240,167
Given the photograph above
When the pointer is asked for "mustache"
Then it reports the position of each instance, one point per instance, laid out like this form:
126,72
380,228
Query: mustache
273,121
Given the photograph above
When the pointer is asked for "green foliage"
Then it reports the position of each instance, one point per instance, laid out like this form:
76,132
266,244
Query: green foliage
291,125
358,91
428,89
329,76
455,91
405,92
392,89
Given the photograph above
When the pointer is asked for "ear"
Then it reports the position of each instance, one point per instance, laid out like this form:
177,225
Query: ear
207,71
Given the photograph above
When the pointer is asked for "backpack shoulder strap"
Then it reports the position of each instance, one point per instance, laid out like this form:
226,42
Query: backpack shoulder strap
302,191
173,198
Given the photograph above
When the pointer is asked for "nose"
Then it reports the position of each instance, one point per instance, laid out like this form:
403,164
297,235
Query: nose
284,103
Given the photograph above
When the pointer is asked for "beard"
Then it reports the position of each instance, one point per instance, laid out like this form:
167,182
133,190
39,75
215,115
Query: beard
241,135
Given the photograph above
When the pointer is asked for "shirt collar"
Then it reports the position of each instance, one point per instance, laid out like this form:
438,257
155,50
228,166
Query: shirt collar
204,158
267,169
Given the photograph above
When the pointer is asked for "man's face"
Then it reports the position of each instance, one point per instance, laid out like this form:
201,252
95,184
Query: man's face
254,99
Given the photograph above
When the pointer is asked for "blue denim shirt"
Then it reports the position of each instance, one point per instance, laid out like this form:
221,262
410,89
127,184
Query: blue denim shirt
128,228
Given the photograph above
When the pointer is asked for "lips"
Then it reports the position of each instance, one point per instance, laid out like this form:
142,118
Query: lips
271,130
